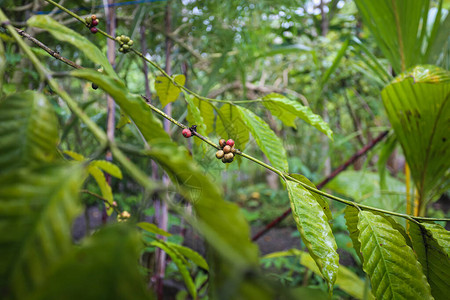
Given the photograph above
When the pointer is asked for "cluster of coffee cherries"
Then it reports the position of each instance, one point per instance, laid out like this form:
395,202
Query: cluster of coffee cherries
125,43
227,152
92,23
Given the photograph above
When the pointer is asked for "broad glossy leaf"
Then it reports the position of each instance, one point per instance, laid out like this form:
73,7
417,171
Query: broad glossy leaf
441,235
287,110
230,125
194,116
28,131
351,220
418,107
150,227
322,202
66,34
312,223
268,142
108,167
133,105
190,254
104,266
181,265
37,207
390,263
205,114
432,255
166,90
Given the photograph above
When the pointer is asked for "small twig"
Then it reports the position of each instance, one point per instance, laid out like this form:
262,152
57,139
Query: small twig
103,199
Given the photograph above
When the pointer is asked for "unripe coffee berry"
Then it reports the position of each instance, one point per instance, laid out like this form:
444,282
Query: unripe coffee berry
229,157
227,149
88,20
186,133
130,43
233,150
230,143
219,154
222,143
94,22
94,30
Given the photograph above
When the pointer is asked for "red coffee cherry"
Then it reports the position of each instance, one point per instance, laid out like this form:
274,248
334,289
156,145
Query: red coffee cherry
94,30
186,133
230,143
94,22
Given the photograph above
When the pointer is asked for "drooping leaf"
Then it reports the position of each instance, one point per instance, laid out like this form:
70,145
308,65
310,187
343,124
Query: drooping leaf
74,155
166,90
315,231
351,220
190,254
335,64
66,34
268,142
108,167
390,263
418,107
441,235
206,111
28,131
322,202
346,279
287,110
37,207
434,259
153,228
230,125
179,261
133,105
194,116
105,188
104,266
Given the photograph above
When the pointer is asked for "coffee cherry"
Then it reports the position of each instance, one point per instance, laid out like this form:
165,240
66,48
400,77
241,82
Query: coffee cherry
126,47
186,133
229,157
227,149
233,150
219,154
230,143
130,43
121,49
94,22
94,86
94,30
222,143
94,17
88,20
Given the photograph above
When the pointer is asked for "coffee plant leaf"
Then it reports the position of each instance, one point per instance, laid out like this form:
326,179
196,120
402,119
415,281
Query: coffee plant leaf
194,256
133,105
200,113
166,90
37,207
287,111
267,140
230,125
152,228
28,131
108,167
65,34
351,220
393,268
429,242
316,233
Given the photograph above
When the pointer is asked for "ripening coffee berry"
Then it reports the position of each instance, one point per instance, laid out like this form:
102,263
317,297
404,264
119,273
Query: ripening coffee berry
230,143
227,149
94,22
222,143
94,17
219,154
233,150
229,157
94,30
186,133
126,47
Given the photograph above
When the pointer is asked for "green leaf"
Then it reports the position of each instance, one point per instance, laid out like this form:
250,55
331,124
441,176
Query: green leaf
418,107
386,151
230,125
205,116
133,105
104,266
432,255
181,265
37,207
105,188
153,228
390,263
74,155
190,254
287,110
66,34
28,131
312,223
108,167
346,279
351,220
166,90
266,139
194,115
334,65
322,202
